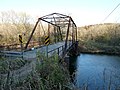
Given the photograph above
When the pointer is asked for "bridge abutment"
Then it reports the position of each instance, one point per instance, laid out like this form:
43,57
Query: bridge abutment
74,51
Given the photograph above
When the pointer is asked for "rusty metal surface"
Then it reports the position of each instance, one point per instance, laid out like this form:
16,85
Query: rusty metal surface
59,21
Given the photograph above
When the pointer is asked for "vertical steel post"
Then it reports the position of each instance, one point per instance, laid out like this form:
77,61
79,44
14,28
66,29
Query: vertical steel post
67,35
47,51
48,29
60,33
76,33
57,34
55,40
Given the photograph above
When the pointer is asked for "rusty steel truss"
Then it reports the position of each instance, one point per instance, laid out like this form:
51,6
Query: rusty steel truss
60,22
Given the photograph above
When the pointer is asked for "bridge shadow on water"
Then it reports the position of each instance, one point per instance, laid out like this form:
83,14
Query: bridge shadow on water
72,67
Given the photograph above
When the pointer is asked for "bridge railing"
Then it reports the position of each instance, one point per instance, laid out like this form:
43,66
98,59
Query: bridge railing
59,50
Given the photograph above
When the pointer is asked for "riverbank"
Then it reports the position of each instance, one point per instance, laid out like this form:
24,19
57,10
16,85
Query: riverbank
98,48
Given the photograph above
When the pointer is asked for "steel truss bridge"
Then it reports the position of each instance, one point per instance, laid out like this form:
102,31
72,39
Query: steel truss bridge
62,32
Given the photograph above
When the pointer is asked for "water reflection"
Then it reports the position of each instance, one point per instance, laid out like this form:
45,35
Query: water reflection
101,72
72,67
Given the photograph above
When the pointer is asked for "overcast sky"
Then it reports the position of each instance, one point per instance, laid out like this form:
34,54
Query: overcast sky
83,12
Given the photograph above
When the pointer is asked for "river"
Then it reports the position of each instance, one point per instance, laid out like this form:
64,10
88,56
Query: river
95,72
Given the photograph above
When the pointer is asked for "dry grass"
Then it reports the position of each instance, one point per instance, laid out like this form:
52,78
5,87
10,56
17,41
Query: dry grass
104,37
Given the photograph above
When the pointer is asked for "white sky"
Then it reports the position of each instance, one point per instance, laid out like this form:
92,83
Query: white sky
83,12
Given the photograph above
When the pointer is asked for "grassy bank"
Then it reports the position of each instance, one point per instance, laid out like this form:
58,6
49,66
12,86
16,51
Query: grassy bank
47,74
98,48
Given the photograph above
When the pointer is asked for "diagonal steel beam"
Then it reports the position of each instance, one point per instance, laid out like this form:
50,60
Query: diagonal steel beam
32,34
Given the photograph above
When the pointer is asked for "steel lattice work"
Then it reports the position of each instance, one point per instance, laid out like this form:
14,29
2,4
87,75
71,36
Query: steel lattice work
59,26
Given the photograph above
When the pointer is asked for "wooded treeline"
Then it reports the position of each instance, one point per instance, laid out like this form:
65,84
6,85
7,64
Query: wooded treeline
105,37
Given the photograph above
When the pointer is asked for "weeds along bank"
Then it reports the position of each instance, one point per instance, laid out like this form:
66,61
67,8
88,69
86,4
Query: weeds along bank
103,38
7,64
98,48
46,75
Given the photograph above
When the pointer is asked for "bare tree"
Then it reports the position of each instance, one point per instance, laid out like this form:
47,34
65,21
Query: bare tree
12,24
